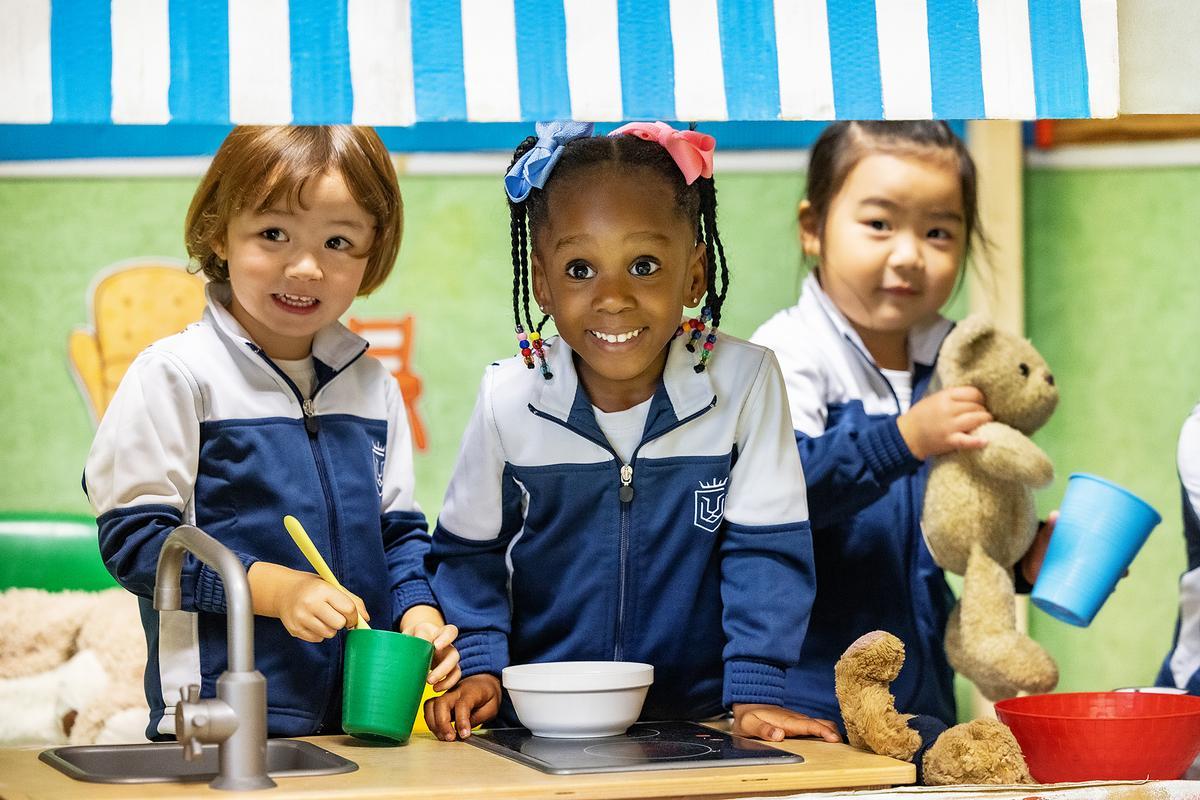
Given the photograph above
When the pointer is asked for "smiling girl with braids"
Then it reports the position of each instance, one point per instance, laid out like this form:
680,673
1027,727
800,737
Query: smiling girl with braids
623,491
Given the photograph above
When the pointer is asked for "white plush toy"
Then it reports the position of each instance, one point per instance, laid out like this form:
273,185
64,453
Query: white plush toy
71,667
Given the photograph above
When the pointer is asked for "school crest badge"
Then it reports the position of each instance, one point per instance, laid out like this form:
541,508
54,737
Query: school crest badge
378,453
710,505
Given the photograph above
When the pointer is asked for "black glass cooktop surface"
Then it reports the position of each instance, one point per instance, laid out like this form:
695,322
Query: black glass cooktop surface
645,746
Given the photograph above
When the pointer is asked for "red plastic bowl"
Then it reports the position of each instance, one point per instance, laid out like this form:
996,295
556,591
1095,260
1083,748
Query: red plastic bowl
1092,736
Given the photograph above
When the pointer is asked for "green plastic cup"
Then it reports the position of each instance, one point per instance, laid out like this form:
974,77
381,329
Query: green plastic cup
383,680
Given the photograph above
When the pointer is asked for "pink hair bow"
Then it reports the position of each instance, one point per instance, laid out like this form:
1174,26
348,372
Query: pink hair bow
692,151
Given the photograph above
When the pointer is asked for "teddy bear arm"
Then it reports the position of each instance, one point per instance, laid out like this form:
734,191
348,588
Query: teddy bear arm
1011,456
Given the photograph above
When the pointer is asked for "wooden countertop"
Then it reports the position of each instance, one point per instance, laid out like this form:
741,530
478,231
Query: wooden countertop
433,770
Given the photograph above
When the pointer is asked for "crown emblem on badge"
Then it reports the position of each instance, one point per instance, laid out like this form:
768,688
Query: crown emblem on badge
710,504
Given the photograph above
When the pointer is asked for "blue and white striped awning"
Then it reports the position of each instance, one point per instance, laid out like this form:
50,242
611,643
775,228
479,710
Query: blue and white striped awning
396,62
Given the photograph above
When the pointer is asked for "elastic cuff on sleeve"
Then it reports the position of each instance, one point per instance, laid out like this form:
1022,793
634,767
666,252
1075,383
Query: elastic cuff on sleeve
885,450
482,651
929,729
752,682
1020,585
210,589
408,594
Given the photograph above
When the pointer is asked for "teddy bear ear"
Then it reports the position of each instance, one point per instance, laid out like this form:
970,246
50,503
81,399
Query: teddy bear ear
969,339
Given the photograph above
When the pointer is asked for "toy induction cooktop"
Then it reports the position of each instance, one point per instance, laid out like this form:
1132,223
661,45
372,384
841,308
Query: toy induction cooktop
647,745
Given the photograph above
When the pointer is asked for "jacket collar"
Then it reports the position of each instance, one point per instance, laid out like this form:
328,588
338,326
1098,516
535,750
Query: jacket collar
334,348
681,393
924,340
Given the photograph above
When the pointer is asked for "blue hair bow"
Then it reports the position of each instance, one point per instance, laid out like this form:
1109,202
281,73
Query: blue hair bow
533,169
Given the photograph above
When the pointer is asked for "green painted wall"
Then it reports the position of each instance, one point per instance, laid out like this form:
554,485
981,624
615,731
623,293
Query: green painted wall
1112,302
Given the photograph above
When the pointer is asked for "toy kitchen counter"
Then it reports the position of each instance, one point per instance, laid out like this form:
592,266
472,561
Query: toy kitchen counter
430,770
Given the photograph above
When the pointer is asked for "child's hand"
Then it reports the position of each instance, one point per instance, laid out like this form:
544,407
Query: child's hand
1031,563
475,701
309,607
774,723
426,622
313,610
943,422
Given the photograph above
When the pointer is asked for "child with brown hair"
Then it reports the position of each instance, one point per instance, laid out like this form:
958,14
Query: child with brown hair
269,406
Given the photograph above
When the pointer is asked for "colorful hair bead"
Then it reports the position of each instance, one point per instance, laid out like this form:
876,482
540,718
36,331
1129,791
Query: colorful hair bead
523,344
535,339
706,353
698,326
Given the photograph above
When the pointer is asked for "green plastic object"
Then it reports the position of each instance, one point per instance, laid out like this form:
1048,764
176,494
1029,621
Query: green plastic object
383,683
51,551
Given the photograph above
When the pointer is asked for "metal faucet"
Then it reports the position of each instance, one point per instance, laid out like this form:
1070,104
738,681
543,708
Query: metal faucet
236,720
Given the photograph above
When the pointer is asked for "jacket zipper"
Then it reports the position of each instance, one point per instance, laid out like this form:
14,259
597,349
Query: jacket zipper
625,496
313,427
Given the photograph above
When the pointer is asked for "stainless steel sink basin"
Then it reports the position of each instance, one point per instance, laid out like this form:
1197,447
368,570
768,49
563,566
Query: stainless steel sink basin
163,762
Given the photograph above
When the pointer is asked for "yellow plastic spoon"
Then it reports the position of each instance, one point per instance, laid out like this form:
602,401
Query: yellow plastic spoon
300,537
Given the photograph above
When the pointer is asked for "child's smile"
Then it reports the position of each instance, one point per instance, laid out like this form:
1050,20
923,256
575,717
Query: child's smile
617,338
296,304
615,263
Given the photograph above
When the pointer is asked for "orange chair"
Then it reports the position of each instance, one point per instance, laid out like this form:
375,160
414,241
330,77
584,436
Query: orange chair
133,304
390,341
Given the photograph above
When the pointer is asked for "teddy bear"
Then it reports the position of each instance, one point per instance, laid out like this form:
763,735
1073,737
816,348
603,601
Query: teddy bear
979,517
978,521
71,666
980,751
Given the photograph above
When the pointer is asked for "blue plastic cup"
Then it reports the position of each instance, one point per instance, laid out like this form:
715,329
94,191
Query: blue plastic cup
1100,529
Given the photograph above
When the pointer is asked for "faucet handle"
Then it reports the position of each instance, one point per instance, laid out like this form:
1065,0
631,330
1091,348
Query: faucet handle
198,722
185,728
193,749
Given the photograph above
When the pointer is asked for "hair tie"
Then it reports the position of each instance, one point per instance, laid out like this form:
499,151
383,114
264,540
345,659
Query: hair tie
692,151
533,169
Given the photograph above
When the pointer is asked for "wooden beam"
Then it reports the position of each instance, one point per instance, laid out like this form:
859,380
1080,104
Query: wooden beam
996,279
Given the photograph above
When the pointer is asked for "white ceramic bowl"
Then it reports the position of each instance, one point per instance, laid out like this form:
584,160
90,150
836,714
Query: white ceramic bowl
578,699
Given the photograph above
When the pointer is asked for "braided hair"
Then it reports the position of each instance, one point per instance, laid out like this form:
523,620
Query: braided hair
697,203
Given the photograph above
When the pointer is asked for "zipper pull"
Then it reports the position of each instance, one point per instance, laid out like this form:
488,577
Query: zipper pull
626,492
310,417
